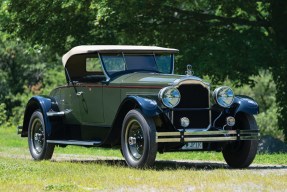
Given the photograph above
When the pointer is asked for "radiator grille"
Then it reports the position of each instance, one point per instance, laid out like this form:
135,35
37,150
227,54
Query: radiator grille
193,96
196,97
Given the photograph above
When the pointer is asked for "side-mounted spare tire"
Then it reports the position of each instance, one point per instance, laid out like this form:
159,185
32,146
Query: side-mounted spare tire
38,146
138,139
240,154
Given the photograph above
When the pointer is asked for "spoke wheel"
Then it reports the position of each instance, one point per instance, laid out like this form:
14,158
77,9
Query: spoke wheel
37,138
135,140
138,140
39,148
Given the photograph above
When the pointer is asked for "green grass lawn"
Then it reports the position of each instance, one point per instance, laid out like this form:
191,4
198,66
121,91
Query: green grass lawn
18,172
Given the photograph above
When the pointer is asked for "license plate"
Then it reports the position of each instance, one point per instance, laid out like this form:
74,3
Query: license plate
193,145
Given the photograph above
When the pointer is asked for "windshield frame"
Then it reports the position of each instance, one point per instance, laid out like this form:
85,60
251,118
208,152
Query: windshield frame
116,74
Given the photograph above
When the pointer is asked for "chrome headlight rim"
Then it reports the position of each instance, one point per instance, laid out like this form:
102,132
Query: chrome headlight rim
215,96
162,93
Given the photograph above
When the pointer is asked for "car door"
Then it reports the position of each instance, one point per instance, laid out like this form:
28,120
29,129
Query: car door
91,103
90,98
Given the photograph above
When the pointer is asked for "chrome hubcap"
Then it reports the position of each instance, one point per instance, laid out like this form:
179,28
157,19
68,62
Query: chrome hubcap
132,140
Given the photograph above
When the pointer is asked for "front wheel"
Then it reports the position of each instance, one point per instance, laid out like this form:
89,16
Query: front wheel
138,139
38,146
240,154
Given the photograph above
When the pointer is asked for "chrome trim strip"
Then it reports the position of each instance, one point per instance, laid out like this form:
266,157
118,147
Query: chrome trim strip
211,132
167,134
211,139
190,80
141,94
196,133
167,140
161,140
74,142
55,114
225,135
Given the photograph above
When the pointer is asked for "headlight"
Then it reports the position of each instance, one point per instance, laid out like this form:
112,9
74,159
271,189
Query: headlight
169,96
223,96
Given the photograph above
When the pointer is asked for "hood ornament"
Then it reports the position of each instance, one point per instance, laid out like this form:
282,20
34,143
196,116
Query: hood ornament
189,71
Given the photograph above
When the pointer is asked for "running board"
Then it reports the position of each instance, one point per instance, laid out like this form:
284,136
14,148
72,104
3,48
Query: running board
75,142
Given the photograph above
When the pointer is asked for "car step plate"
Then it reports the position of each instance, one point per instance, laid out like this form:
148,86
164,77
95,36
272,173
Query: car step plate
74,142
193,146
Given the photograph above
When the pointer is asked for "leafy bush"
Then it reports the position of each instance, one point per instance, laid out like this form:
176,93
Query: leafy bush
267,122
24,71
2,114
263,91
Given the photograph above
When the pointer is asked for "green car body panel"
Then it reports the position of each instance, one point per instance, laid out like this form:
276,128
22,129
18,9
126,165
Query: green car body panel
95,110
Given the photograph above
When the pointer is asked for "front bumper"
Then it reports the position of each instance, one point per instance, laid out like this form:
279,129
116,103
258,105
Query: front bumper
206,136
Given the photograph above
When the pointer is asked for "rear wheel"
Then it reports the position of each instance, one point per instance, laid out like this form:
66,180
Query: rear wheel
240,154
138,139
38,146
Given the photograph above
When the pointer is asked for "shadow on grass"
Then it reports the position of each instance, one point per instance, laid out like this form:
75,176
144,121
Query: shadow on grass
174,165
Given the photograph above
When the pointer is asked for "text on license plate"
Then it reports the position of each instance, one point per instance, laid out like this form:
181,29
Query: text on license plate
193,145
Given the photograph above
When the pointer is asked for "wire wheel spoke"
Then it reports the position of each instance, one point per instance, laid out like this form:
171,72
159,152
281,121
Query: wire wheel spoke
135,140
37,136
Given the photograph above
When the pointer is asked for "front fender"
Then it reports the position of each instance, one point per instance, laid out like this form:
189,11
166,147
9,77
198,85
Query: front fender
245,104
45,104
148,106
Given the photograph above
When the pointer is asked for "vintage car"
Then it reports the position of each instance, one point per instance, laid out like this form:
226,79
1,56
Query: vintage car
128,97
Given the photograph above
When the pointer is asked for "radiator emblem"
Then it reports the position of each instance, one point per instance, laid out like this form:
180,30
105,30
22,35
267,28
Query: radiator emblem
189,71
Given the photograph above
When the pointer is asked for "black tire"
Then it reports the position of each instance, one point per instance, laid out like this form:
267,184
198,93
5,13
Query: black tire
138,139
38,146
240,154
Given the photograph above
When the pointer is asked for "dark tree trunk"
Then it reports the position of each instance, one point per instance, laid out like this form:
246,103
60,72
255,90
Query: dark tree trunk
279,70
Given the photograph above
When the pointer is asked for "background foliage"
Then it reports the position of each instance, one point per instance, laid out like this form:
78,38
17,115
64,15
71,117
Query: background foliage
239,43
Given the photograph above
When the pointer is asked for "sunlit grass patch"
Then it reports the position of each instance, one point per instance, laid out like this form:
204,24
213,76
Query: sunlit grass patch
60,187
65,175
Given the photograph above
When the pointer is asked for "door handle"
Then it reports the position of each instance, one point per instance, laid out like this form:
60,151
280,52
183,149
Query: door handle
80,93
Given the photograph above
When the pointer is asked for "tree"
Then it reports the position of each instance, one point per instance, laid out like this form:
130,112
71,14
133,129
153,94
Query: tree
20,66
228,38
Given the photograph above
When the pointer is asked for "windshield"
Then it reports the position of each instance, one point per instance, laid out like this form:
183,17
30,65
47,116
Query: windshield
124,63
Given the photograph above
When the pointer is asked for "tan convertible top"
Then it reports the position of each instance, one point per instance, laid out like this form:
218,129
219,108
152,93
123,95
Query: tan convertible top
114,48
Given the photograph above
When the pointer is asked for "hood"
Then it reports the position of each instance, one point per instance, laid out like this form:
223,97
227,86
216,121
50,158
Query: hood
156,79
